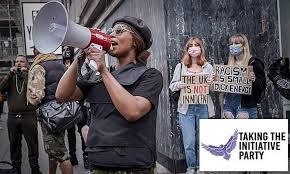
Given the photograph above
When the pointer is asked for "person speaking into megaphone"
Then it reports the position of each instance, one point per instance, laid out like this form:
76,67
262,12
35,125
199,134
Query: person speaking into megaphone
121,132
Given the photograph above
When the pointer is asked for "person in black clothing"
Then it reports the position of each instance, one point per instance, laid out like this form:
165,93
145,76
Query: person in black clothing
86,111
121,134
1,103
22,118
1,100
44,75
279,74
67,57
239,105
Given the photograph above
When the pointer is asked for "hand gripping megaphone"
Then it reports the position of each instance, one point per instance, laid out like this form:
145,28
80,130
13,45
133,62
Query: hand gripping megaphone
52,28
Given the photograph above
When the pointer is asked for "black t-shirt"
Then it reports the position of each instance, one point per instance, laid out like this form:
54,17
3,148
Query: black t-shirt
150,86
101,153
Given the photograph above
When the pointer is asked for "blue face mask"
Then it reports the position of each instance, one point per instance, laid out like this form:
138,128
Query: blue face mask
235,50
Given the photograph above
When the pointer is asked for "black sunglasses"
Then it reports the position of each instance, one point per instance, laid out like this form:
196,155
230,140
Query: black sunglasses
118,30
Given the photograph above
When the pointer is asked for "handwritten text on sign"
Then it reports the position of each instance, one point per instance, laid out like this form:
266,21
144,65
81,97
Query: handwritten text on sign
196,89
233,79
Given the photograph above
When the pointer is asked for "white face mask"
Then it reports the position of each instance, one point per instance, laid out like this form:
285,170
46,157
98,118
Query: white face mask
194,51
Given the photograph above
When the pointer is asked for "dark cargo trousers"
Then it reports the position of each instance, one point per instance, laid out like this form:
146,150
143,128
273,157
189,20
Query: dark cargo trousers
71,135
26,125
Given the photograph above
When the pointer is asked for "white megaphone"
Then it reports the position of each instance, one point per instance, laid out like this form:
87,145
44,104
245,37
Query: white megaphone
52,29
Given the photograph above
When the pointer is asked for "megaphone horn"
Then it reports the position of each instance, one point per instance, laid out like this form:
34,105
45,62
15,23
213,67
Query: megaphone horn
52,28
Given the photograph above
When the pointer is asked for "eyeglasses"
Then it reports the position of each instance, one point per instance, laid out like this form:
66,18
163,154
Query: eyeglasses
118,30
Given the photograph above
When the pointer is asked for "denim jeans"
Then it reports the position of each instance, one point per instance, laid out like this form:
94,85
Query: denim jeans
232,104
189,124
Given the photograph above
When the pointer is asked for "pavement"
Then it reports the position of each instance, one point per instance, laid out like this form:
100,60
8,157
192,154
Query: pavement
78,169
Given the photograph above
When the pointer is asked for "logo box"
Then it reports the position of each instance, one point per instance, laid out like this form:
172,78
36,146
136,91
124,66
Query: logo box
243,145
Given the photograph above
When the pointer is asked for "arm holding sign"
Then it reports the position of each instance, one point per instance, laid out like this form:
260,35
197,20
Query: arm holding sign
175,84
259,84
252,76
208,69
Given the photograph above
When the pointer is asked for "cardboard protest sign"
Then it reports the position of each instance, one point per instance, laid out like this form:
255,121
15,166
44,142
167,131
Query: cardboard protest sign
196,90
233,79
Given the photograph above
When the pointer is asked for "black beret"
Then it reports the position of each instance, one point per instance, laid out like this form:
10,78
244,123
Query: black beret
139,25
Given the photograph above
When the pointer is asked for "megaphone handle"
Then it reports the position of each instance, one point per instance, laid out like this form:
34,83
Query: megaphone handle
93,65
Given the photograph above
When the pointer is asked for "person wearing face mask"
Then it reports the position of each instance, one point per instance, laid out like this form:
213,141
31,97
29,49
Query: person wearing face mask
193,63
67,57
43,77
239,105
120,137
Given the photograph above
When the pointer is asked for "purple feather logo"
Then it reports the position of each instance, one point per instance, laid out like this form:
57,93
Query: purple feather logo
223,150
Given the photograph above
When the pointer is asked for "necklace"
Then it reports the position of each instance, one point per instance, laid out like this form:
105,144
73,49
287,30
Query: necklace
21,90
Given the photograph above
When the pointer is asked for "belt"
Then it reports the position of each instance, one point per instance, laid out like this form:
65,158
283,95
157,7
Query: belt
22,115
18,116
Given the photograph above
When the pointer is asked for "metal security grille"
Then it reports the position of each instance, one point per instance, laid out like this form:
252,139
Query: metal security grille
10,33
